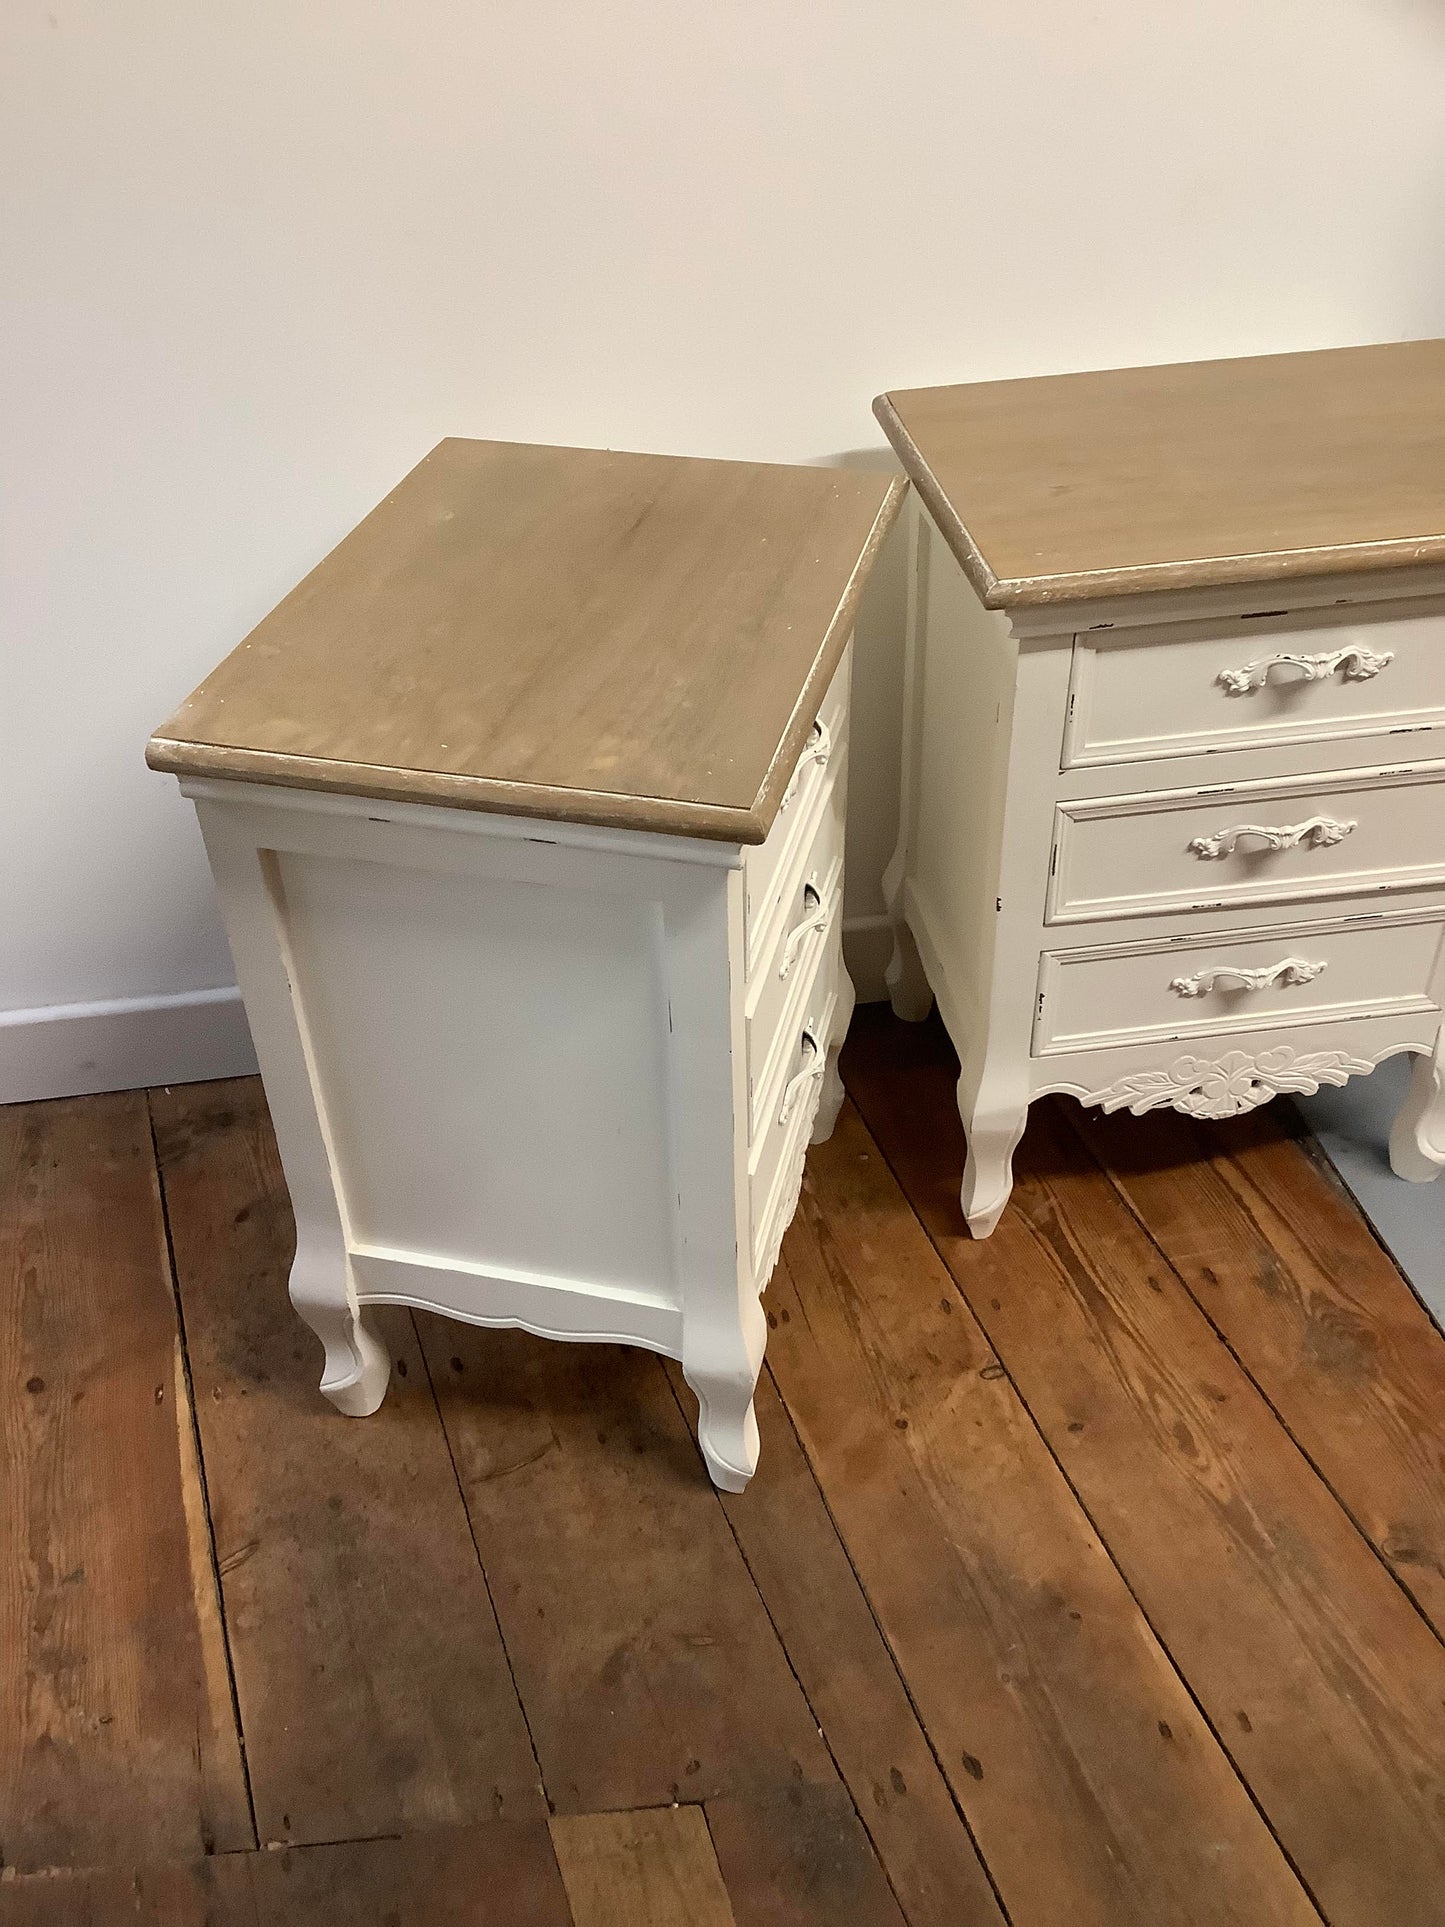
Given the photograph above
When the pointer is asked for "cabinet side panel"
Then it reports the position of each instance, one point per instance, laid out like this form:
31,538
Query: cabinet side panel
966,659
492,1057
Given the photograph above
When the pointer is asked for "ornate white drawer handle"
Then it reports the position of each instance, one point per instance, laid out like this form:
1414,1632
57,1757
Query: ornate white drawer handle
811,1071
817,916
1358,663
1293,970
817,749
1319,833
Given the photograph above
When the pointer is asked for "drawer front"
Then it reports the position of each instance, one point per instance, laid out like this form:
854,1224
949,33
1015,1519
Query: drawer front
811,913
1121,993
1142,693
819,822
780,1140
1131,856
769,867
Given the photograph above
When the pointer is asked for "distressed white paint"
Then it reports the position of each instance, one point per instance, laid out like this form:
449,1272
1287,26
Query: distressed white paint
1270,679
542,1075
1332,835
1239,973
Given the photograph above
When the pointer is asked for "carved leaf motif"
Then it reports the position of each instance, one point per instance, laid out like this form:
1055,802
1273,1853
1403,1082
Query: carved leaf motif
1358,663
1225,1086
1290,971
1319,833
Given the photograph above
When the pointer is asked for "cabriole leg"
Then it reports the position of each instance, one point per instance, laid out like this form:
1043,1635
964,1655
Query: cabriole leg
357,1366
727,1428
1417,1141
722,1368
994,1111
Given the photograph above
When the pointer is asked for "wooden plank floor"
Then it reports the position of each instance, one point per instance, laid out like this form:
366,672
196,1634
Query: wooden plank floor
1094,1575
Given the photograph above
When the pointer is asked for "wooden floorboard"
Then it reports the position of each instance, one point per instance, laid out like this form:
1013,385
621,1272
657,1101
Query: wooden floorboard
1318,1673
116,1720
375,1693
651,1869
1280,1260
213,1892
647,1661
835,1647
499,1874
1104,1554
643,1654
797,1858
1096,1792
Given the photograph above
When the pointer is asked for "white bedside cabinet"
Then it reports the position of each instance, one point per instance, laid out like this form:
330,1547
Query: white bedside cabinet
1173,824
526,813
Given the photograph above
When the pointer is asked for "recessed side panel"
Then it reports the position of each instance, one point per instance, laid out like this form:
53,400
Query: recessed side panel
490,1059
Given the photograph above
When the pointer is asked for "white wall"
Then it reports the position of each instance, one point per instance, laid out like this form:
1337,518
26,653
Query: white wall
259,258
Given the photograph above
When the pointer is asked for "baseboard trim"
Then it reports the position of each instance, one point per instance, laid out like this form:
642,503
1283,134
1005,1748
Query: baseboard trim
123,1043
867,947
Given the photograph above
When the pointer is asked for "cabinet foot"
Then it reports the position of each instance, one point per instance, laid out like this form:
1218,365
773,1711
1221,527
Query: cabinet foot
357,1366
727,1429
993,1129
357,1370
721,1361
1417,1141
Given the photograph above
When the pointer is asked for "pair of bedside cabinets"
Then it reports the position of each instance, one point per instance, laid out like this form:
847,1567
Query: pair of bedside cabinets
526,812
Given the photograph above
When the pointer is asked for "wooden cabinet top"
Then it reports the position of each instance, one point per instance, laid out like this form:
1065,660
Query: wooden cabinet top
633,640
1209,473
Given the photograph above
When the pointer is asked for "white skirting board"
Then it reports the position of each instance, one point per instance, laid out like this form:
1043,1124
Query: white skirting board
867,946
69,1050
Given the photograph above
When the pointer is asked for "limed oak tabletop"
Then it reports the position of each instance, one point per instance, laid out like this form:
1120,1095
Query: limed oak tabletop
631,640
1210,473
